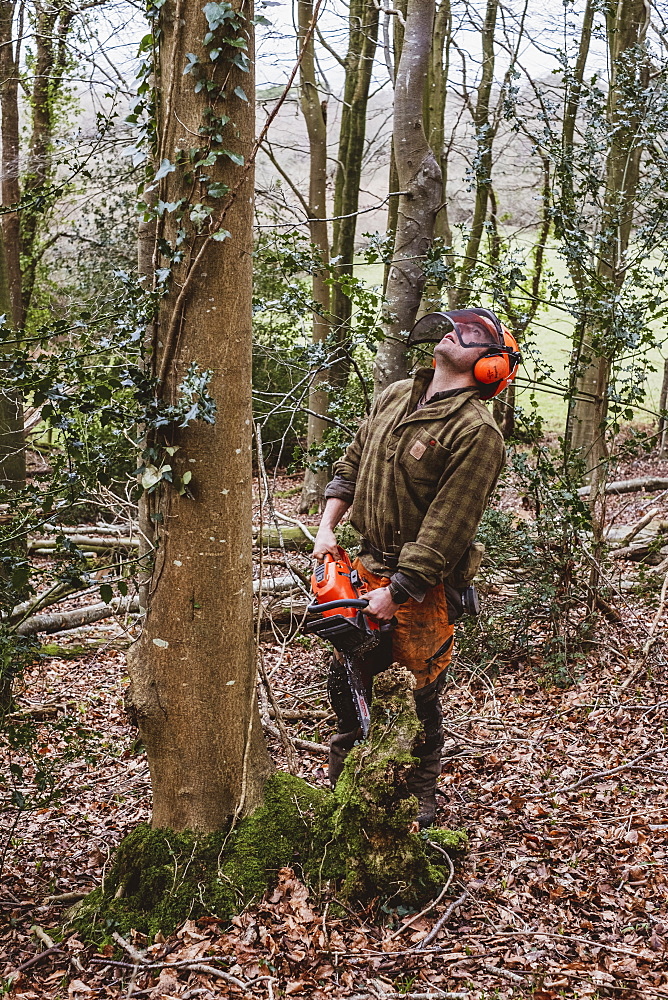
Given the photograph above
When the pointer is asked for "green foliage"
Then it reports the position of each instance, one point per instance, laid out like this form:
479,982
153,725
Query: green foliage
539,564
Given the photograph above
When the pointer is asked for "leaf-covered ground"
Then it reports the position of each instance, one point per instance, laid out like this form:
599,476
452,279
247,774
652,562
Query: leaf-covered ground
563,892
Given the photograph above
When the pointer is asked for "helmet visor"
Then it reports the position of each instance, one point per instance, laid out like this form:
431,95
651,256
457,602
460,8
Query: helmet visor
472,327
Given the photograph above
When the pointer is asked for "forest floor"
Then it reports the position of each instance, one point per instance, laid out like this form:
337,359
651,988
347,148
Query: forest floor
563,791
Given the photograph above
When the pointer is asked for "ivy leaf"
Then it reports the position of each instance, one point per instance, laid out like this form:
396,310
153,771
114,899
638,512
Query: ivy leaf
218,190
217,13
192,62
165,168
221,235
240,92
213,54
106,593
235,157
199,213
186,477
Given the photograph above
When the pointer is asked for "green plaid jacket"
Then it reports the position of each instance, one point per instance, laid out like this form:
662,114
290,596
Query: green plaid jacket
419,480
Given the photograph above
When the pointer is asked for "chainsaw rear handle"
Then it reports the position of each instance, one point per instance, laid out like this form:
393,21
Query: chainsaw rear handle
331,605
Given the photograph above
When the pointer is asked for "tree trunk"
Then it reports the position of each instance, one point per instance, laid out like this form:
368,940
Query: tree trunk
316,125
363,35
11,191
52,26
12,440
420,175
484,134
393,179
627,96
663,406
434,118
193,670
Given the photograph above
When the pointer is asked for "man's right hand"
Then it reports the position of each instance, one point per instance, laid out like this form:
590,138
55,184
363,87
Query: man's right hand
325,541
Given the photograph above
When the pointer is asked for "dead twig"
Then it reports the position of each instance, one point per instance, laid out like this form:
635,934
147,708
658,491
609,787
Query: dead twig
496,970
137,956
54,949
441,922
431,906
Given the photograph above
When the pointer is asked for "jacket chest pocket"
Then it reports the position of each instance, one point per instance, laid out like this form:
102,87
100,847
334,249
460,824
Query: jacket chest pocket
422,458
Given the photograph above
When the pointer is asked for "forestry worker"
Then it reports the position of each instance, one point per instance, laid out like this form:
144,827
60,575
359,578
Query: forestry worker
418,476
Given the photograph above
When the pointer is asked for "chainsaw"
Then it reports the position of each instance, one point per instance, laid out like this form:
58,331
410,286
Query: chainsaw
339,603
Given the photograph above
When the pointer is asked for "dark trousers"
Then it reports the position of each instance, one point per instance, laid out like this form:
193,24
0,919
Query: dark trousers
427,700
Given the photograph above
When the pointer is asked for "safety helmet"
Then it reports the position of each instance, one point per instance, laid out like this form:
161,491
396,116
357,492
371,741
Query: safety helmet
475,328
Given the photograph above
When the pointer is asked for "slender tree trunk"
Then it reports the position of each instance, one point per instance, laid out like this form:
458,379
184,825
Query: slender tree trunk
12,441
193,670
53,24
393,179
484,133
437,95
12,452
434,119
626,29
663,406
363,35
316,125
420,175
10,191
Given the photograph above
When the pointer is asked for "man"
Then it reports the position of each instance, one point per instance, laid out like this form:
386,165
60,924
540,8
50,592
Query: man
418,476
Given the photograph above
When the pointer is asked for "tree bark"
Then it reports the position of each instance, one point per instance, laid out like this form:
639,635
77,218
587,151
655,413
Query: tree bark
663,406
363,35
12,440
53,23
419,175
484,134
393,179
193,670
10,190
629,76
316,125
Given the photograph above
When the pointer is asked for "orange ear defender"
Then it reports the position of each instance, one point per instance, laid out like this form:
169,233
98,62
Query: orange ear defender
475,328
497,369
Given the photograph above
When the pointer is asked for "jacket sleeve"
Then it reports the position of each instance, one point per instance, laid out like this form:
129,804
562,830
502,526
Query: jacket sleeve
343,484
454,514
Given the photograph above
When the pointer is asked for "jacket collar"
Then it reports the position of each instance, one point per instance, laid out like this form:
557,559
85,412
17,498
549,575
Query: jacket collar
439,409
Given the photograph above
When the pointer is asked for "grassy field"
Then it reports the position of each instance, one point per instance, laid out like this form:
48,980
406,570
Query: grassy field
546,359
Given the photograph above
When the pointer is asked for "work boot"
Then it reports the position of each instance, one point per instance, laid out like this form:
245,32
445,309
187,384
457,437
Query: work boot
340,746
422,783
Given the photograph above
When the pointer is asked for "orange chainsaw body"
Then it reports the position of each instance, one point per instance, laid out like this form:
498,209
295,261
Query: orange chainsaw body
336,580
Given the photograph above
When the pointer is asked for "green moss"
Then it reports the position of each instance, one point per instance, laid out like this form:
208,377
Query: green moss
68,652
160,878
361,839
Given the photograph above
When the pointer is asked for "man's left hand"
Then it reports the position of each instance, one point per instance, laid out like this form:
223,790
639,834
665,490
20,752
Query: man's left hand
381,606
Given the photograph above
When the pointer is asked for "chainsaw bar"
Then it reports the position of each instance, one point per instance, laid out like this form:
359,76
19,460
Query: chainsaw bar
358,691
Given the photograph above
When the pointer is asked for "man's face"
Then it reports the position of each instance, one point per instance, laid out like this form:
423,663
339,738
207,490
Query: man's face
459,357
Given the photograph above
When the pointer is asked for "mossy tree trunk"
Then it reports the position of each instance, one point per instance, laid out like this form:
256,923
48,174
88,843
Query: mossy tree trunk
315,116
362,40
9,109
420,176
626,27
193,670
12,446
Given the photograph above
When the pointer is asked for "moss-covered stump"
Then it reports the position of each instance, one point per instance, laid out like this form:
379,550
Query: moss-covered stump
376,813
360,840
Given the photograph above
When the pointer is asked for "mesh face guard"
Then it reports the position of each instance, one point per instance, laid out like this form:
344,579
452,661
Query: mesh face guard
472,327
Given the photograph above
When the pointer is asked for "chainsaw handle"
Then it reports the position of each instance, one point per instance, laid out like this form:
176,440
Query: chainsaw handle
331,605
